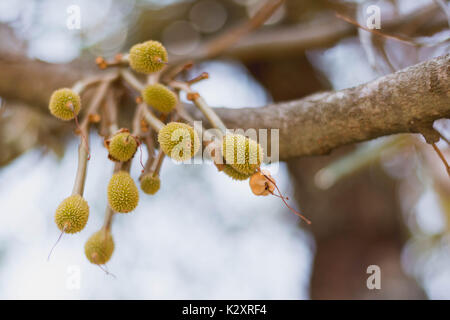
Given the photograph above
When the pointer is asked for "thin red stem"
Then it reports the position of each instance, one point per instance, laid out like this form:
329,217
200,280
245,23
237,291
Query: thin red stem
284,198
57,241
442,157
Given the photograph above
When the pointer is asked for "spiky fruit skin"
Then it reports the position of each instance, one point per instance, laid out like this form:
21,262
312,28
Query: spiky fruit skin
241,153
65,104
123,195
235,175
179,141
159,97
122,146
72,213
150,183
99,247
148,57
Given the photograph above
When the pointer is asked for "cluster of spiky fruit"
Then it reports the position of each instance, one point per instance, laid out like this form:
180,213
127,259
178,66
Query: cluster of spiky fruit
177,140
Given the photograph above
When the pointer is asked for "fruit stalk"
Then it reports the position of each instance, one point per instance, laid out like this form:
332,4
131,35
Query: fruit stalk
157,162
83,153
151,119
83,84
129,78
108,218
201,104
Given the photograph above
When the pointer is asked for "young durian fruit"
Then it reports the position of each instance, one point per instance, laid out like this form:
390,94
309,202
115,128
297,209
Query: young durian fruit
150,183
179,141
72,214
235,175
122,146
148,57
159,97
65,104
123,195
241,153
99,247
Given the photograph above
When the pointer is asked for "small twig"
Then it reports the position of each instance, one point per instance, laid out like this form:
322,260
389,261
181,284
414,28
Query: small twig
222,43
445,8
83,84
151,119
80,178
201,104
111,111
208,112
157,163
150,150
118,61
154,77
109,213
209,139
175,71
443,137
137,130
137,120
98,97
442,157
202,76
83,149
402,39
131,79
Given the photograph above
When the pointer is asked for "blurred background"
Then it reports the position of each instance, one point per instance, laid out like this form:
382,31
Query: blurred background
204,236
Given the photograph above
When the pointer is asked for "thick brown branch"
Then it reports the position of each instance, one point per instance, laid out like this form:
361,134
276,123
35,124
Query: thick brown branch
397,103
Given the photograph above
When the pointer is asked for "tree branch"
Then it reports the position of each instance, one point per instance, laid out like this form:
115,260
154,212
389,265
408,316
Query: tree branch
397,103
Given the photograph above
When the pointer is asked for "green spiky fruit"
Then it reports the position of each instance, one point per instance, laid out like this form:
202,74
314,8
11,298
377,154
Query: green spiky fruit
65,104
150,183
159,97
99,247
235,175
241,153
122,146
123,195
72,214
148,57
179,141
